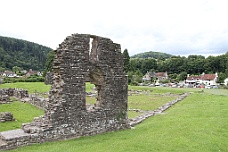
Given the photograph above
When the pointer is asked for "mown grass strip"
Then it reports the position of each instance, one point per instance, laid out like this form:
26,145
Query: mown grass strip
22,112
197,123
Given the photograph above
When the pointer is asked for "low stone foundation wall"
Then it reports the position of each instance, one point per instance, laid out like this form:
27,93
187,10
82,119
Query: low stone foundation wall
18,93
147,114
36,100
5,95
22,95
6,116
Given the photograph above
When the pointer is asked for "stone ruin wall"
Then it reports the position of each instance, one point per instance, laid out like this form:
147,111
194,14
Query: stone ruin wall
6,93
6,116
79,57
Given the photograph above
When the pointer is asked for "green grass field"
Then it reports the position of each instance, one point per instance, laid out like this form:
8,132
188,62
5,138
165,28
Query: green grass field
30,86
37,86
198,123
22,112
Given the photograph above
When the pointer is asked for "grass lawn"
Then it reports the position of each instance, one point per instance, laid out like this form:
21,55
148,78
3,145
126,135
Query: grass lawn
198,123
37,86
22,112
30,86
148,102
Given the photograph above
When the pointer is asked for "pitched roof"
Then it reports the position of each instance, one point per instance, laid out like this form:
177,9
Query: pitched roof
208,77
161,74
202,77
194,78
8,72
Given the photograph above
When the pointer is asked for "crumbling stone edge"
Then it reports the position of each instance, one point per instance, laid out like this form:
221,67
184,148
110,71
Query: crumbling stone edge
147,114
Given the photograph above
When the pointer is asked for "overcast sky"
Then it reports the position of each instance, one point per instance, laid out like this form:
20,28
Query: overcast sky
177,27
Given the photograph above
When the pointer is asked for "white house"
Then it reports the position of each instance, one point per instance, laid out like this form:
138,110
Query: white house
226,81
9,74
193,80
206,79
209,79
148,76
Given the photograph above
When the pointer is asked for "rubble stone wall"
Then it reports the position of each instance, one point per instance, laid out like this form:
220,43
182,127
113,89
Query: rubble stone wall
6,116
79,57
48,78
5,94
22,95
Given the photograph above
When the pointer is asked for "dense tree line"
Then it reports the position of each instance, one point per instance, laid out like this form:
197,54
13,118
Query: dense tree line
21,53
179,66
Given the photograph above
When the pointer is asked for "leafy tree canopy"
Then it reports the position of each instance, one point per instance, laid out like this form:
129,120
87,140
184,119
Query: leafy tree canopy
20,53
151,54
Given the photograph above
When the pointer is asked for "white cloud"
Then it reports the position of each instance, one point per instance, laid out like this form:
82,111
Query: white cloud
178,27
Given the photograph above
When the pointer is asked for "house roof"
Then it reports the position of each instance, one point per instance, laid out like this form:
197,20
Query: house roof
208,77
161,74
9,72
31,72
202,77
194,78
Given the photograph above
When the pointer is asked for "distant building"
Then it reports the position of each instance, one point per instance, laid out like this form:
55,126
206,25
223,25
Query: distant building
226,81
31,72
193,80
160,76
148,76
206,79
9,74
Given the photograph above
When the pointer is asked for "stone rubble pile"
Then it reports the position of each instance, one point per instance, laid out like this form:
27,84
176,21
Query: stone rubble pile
6,116
4,96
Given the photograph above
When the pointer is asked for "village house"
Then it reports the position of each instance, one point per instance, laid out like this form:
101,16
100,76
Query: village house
9,74
31,72
206,79
148,76
160,76
193,79
226,81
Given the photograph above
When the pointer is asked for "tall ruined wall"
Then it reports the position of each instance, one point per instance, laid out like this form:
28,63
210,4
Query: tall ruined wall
78,58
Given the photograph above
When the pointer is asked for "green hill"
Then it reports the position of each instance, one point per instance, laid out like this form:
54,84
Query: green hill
21,53
151,54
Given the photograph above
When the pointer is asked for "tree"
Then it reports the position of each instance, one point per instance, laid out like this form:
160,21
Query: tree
148,64
16,69
21,53
134,77
49,62
2,69
226,71
126,58
195,64
210,65
173,76
221,77
182,76
175,64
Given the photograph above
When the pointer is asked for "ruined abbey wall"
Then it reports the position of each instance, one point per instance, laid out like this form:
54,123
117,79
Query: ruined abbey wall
78,58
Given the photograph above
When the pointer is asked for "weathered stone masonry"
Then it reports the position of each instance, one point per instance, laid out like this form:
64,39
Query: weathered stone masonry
78,57
81,57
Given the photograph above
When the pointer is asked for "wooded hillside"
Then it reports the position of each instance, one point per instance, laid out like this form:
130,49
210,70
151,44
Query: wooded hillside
151,54
21,53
